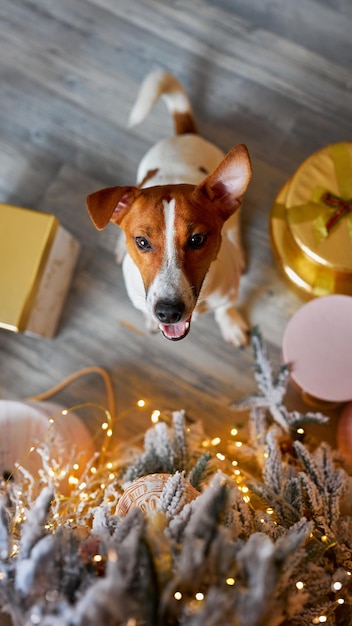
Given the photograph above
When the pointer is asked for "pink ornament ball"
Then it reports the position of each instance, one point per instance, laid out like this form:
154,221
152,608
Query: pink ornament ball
26,425
317,347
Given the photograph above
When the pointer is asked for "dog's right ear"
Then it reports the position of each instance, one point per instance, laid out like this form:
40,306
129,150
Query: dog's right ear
110,204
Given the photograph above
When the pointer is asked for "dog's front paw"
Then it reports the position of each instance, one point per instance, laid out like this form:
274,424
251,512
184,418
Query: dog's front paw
232,325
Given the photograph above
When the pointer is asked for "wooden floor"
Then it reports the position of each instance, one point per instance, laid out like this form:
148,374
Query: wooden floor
273,75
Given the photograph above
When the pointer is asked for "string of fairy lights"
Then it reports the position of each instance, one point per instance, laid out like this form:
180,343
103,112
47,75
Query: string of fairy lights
98,481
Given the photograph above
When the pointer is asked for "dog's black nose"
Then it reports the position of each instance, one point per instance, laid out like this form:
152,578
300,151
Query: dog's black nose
169,311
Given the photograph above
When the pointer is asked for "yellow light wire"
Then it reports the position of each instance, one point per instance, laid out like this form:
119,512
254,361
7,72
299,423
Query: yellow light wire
75,376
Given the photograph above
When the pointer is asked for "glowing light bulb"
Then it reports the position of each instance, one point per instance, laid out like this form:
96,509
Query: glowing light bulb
155,416
177,595
230,581
234,432
269,510
336,586
199,596
299,585
215,441
141,403
97,558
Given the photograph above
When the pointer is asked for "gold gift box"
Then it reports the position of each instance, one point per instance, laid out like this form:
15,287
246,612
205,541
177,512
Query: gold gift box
37,259
311,224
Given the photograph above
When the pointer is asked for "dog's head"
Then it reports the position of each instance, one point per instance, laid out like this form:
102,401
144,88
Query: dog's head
173,233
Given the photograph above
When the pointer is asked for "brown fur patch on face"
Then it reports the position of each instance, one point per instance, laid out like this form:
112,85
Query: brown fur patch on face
192,215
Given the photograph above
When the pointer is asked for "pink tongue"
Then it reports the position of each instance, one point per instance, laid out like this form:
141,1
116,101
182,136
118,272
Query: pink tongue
175,331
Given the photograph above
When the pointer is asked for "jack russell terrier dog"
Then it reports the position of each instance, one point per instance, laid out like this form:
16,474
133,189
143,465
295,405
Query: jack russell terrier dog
183,253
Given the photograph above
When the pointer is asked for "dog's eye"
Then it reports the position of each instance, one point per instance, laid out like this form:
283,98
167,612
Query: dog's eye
197,241
143,243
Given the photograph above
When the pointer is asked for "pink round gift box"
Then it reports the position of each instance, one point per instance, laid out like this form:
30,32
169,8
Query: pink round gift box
317,345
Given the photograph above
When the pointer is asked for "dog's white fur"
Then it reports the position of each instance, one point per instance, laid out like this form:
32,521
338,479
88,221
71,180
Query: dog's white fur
185,158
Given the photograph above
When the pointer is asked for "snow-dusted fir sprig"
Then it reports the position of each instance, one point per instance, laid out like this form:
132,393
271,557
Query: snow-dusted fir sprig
179,440
33,529
166,450
272,389
323,484
4,530
198,471
158,454
173,495
281,487
127,592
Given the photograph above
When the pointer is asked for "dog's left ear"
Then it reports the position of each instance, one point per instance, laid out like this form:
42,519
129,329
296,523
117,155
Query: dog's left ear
110,204
228,183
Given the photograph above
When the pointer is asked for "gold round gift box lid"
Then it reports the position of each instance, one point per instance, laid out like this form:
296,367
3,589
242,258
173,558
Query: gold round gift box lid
315,267
329,170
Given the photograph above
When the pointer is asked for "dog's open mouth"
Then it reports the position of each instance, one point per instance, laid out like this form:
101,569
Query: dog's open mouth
177,331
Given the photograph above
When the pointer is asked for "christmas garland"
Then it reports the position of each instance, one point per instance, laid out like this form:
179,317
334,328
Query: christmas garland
252,536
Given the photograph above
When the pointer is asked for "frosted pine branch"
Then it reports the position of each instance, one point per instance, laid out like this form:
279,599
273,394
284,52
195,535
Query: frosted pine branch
197,472
273,468
179,442
4,530
173,495
33,529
